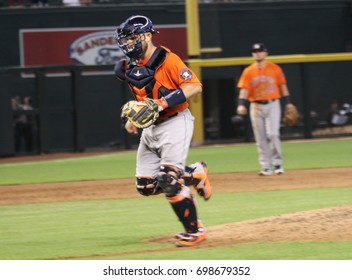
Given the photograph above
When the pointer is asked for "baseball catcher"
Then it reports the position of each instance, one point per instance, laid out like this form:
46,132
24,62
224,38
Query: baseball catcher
161,84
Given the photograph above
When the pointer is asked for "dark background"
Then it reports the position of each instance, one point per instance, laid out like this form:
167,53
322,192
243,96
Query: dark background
287,27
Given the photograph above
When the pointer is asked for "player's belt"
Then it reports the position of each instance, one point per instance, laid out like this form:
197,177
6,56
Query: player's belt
159,122
264,101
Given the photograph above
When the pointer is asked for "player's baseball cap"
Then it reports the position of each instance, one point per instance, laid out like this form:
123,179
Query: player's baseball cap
259,47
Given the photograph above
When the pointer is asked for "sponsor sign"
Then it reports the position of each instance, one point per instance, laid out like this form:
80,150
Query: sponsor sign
87,46
95,48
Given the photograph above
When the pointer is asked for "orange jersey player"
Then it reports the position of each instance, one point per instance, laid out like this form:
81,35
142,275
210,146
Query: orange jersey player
168,76
157,73
263,84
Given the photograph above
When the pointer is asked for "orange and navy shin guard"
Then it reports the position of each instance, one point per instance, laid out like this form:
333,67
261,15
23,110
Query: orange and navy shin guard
186,212
179,196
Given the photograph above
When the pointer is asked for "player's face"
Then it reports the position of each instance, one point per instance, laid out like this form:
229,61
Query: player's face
145,41
259,55
130,41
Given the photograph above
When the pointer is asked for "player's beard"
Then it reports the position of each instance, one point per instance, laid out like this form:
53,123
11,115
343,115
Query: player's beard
144,48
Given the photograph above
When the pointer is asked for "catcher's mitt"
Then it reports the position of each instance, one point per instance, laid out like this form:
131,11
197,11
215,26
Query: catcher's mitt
290,115
140,113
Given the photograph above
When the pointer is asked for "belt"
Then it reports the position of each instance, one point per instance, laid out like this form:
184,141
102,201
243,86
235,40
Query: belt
263,102
161,121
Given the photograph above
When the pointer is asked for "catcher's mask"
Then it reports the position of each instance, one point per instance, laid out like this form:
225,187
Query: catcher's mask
128,35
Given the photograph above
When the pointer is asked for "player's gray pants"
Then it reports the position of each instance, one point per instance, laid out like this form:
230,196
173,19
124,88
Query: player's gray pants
265,119
166,143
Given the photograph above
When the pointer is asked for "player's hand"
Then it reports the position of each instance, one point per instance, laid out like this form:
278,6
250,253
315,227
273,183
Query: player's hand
130,128
241,110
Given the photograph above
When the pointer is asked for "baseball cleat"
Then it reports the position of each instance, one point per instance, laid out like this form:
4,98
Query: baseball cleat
279,170
190,239
265,172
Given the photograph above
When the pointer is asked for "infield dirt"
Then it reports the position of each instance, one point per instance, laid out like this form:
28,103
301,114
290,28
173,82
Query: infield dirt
317,225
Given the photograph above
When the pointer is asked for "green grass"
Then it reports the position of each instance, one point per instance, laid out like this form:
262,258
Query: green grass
296,155
93,228
340,250
110,166
222,159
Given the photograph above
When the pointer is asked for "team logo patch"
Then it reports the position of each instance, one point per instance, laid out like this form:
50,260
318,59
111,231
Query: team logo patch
186,74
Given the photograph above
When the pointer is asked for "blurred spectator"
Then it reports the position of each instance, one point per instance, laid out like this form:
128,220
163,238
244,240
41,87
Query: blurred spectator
17,125
28,124
333,110
23,124
342,115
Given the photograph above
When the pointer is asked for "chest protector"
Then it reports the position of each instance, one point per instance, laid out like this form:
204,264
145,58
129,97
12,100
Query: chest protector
141,78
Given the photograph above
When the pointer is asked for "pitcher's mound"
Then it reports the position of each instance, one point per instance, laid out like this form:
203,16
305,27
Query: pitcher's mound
328,224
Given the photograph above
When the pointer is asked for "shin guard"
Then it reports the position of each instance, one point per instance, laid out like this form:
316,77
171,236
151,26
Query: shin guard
186,212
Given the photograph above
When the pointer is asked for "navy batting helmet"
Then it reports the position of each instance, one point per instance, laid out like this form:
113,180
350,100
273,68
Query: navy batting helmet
128,30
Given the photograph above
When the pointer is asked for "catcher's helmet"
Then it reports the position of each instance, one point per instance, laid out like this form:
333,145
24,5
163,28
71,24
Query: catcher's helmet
129,29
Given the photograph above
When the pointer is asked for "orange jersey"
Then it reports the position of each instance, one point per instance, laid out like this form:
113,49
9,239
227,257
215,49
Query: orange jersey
262,83
171,74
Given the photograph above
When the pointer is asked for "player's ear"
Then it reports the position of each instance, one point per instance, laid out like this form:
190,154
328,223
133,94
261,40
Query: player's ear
148,35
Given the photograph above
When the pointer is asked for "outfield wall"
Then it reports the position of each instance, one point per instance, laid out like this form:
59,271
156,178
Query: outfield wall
304,27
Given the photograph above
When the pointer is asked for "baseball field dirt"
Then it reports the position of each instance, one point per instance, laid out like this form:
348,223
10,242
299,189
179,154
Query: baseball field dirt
317,225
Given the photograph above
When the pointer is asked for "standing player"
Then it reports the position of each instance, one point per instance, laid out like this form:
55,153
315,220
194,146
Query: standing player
263,84
157,73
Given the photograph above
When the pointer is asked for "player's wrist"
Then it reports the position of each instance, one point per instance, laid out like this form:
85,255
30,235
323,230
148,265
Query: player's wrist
172,99
242,102
175,97
286,100
162,104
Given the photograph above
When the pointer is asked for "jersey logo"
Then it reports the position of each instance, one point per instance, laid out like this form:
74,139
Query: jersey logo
186,74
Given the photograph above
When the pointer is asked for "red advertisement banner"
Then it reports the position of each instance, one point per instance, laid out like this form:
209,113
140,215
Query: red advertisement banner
87,46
